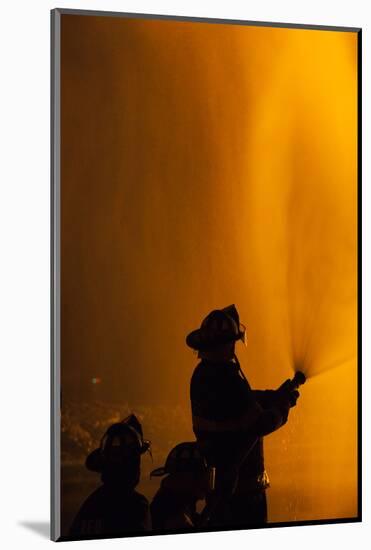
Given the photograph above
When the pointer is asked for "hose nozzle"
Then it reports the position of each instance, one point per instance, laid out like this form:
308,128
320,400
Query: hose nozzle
298,380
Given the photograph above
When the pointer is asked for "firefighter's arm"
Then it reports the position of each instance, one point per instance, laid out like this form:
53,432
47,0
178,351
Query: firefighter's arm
273,398
270,420
255,419
244,412
277,403
265,398
266,420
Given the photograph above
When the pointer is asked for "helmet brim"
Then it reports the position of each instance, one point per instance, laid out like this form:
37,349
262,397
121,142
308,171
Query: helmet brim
95,461
194,340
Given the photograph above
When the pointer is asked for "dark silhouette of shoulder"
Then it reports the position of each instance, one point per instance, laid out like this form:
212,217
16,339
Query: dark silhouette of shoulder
108,511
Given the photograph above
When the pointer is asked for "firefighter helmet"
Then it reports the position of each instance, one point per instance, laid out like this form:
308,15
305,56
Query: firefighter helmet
121,442
184,457
220,327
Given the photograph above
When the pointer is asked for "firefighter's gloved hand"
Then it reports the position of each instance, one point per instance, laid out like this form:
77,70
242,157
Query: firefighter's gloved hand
286,386
293,397
286,395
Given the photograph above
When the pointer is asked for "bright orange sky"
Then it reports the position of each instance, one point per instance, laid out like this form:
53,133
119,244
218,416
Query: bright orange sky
204,165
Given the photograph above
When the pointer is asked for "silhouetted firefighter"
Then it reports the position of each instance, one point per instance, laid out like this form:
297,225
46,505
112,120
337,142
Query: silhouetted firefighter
115,507
230,420
174,505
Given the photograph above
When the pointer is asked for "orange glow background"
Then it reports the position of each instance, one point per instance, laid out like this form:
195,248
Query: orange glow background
203,165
